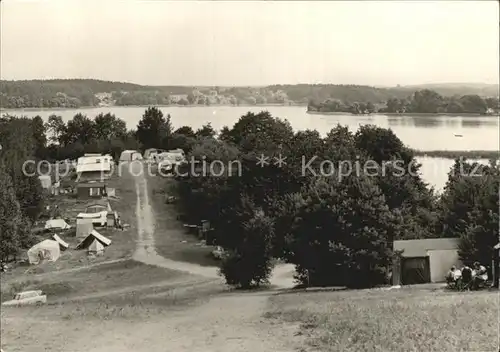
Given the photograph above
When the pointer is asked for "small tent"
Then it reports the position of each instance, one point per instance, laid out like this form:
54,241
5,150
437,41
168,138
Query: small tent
95,247
130,155
62,244
84,227
56,224
45,250
94,235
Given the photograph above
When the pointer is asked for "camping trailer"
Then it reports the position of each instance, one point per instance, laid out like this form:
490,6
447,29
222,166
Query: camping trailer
130,155
151,152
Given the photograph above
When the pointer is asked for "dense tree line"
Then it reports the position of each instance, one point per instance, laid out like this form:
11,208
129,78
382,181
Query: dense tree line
422,101
105,134
336,230
73,93
21,196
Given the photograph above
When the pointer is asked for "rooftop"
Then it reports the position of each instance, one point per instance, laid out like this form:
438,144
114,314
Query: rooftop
419,248
94,167
91,185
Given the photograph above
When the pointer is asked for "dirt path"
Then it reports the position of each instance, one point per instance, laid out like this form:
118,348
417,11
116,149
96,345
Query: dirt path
146,251
232,323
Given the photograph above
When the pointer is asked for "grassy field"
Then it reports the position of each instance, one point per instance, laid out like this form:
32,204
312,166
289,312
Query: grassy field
98,303
400,320
88,280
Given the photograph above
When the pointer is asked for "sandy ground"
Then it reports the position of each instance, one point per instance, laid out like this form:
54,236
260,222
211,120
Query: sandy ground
224,321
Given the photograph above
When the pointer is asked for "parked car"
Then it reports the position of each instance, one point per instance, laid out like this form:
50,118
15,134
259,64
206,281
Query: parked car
27,298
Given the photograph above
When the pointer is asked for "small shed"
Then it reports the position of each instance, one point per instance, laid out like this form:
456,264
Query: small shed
424,260
91,190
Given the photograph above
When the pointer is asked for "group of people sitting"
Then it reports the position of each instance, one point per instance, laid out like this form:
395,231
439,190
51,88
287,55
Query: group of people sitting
466,277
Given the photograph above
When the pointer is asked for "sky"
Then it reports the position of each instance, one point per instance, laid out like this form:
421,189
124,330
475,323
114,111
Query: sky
251,43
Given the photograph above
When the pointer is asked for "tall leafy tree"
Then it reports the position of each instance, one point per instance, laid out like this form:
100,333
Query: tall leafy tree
108,126
80,129
153,128
39,136
56,128
341,233
470,209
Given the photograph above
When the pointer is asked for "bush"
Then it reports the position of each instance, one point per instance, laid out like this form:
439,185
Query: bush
249,262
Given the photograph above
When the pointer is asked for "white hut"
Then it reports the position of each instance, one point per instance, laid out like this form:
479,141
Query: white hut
84,227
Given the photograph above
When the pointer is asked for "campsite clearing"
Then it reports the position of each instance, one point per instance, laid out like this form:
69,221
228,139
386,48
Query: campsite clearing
115,304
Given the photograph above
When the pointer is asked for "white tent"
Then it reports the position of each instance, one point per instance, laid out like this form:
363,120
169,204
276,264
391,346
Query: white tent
84,227
94,235
95,247
62,244
57,224
130,155
45,250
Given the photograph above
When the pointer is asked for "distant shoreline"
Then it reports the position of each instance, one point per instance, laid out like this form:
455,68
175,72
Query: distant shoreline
456,154
425,114
416,114
146,106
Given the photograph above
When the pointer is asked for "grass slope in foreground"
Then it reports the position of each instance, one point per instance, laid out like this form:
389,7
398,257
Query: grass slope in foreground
409,319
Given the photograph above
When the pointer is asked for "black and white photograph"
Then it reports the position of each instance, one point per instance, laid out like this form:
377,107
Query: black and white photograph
241,176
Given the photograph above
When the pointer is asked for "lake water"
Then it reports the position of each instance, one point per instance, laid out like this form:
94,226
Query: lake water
418,132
